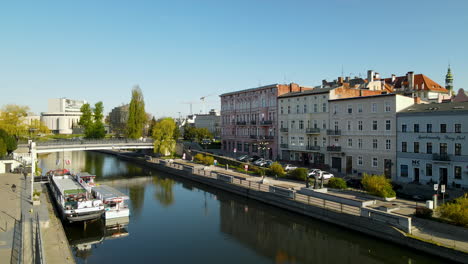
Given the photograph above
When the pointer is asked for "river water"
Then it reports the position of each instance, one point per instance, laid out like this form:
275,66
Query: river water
174,220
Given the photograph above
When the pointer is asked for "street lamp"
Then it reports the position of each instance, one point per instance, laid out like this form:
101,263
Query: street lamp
263,147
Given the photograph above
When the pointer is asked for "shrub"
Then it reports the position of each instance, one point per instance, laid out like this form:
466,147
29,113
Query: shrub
276,170
378,185
423,212
337,183
257,170
298,174
199,158
457,211
208,160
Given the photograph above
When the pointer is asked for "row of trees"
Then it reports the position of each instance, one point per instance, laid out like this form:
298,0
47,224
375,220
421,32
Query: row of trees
13,121
7,143
91,120
196,134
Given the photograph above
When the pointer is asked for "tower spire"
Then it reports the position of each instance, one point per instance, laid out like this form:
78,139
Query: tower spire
449,80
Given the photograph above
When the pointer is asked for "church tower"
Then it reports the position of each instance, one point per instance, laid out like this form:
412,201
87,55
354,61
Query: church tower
449,81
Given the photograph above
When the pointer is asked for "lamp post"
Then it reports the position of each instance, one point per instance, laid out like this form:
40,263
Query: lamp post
263,147
32,152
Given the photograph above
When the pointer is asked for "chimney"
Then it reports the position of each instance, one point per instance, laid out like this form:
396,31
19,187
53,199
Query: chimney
377,75
393,78
370,75
347,79
410,76
340,80
417,100
324,83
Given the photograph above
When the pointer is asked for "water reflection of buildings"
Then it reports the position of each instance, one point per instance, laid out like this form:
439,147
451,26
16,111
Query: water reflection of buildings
84,238
275,236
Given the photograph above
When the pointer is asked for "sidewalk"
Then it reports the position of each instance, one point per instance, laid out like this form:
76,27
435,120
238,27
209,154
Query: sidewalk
10,212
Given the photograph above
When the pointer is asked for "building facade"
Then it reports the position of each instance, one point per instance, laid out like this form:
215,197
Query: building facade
211,121
249,120
362,134
118,118
63,114
433,144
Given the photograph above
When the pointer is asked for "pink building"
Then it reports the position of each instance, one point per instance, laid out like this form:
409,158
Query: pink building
249,120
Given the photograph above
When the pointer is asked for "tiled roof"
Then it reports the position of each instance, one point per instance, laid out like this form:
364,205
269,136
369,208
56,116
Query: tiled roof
436,108
421,82
307,92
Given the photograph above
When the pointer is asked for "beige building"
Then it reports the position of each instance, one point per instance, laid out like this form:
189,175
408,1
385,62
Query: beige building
63,114
362,133
210,121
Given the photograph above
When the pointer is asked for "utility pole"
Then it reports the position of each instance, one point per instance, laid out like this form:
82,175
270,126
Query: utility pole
32,152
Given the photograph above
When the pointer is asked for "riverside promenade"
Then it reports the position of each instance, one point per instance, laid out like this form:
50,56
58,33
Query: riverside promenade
18,220
337,207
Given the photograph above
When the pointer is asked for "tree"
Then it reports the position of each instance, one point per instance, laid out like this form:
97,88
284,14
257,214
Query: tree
86,119
136,114
337,183
12,119
203,133
152,123
38,127
9,141
378,185
176,133
456,210
98,130
163,135
190,132
3,148
276,170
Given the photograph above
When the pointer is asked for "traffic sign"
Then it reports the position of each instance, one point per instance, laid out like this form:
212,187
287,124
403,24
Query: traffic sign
442,188
436,186
235,150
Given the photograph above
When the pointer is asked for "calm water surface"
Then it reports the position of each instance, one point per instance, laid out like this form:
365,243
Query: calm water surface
178,221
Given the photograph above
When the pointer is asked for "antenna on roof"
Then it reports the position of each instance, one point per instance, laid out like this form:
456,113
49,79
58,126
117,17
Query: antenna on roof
342,70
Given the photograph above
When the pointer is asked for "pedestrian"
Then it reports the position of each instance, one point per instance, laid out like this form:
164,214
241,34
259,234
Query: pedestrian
13,187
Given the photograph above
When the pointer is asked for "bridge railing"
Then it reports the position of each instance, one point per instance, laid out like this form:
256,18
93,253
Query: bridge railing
90,142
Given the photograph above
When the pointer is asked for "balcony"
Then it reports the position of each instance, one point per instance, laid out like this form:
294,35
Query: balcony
314,130
241,123
284,129
441,157
314,148
266,122
284,146
253,122
333,132
253,136
334,148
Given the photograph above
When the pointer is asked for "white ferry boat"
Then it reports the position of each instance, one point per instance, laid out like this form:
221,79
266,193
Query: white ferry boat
114,201
74,202
86,180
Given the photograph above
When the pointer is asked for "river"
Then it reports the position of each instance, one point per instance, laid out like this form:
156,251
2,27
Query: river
174,220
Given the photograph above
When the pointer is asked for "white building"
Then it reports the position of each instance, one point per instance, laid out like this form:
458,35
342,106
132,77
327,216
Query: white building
362,133
63,114
433,144
211,121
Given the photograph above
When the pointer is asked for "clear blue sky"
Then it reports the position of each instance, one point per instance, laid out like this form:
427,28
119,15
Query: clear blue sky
178,51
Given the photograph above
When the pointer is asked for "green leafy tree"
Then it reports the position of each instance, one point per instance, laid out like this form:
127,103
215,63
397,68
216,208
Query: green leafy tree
163,135
86,119
9,141
136,114
98,130
337,183
203,133
190,132
152,123
12,119
378,185
176,133
276,170
3,148
299,174
456,210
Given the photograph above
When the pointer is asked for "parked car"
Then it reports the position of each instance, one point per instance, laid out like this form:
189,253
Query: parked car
289,167
313,173
259,162
253,158
326,175
267,163
243,158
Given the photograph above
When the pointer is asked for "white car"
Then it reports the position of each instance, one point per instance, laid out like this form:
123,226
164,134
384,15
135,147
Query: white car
313,172
259,162
289,167
326,175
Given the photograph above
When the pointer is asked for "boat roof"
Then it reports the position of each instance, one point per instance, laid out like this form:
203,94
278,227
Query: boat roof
107,192
85,174
67,185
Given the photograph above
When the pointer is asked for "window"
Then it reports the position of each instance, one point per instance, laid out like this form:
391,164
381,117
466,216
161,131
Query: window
305,108
360,125
375,162
324,142
350,142
388,144
301,141
289,109
281,140
457,128
388,125
293,141
374,143
281,123
359,160
429,147
416,128
324,124
336,125
315,141
416,147
350,109
359,143
374,108
315,108
458,172
403,170
403,128
297,109
374,124
387,107
428,169
293,123
359,108
429,128
301,124
281,110
457,149
443,148
324,107
404,147
349,125
443,128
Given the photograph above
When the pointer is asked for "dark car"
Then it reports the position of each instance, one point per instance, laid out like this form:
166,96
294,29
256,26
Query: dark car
253,158
354,183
